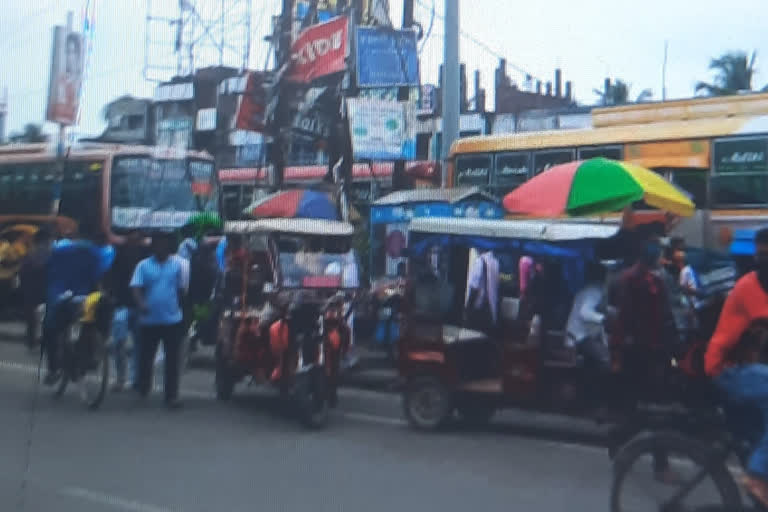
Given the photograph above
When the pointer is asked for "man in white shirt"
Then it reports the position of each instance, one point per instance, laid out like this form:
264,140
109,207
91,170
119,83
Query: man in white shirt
482,306
584,329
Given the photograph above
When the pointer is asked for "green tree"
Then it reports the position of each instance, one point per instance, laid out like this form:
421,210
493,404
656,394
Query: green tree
618,93
32,133
733,73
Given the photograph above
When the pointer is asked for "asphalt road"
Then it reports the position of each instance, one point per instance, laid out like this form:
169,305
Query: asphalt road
249,454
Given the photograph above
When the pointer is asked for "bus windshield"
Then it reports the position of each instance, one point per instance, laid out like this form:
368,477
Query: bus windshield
148,192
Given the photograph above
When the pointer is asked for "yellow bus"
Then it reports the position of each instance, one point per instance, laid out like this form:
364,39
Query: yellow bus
104,187
714,148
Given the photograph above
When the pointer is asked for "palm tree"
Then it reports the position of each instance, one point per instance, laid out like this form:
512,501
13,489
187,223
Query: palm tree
733,73
618,94
32,133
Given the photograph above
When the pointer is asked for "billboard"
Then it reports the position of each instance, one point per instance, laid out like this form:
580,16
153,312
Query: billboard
320,50
386,58
382,130
66,77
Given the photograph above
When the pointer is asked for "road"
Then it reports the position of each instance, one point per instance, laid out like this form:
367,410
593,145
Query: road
134,456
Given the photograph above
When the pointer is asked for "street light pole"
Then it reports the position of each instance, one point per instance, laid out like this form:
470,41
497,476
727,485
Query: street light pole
451,81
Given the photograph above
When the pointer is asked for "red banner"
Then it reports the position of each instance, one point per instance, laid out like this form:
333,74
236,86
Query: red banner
320,50
251,105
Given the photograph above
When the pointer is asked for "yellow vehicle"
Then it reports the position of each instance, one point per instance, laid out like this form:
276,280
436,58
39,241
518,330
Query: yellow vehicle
103,187
716,149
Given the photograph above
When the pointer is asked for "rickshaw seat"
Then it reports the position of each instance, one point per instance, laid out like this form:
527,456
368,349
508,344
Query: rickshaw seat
490,386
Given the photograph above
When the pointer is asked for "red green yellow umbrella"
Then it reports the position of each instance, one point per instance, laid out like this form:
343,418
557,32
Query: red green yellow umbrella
594,187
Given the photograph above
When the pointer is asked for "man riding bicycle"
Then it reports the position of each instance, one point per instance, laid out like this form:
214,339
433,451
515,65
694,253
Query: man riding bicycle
76,266
733,362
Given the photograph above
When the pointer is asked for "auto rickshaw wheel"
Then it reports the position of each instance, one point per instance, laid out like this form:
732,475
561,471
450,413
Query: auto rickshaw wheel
225,380
427,403
476,413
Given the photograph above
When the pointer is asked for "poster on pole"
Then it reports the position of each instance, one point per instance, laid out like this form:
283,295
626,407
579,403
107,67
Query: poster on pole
386,58
381,129
320,50
66,77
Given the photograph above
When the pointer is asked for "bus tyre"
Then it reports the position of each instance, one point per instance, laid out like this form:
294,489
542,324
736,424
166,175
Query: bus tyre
476,413
311,396
427,403
225,380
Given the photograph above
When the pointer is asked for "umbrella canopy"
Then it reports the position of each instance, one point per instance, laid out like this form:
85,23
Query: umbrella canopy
593,187
291,204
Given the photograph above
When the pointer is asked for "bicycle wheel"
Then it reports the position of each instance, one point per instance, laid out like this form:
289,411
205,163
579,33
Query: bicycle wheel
698,479
93,384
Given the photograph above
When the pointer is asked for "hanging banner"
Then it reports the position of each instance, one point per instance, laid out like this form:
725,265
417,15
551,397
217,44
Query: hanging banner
252,104
386,58
320,50
381,130
66,77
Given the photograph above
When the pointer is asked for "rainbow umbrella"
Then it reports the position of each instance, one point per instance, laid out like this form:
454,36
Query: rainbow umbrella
295,203
594,187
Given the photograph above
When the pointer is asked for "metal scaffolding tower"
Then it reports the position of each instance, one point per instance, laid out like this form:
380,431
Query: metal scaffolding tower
193,34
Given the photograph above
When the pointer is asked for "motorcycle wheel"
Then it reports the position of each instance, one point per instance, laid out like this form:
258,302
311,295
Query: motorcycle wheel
312,398
93,385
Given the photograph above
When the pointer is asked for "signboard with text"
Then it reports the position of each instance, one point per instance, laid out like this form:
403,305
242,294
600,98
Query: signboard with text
320,50
546,159
251,104
386,58
741,155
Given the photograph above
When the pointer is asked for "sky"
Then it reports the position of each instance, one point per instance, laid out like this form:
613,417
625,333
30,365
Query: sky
589,40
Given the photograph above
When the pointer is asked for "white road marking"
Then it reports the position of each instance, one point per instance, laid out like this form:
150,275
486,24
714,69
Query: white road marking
116,502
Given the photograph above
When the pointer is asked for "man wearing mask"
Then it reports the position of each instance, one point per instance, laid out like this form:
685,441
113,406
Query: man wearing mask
732,361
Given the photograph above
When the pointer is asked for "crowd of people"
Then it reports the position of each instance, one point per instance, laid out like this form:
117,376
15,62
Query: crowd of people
150,289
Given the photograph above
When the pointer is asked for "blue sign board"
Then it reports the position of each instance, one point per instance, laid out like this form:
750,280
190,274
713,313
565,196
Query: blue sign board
465,210
386,58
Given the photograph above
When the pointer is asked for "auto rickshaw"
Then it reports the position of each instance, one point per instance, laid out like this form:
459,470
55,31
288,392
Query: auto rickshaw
525,360
285,286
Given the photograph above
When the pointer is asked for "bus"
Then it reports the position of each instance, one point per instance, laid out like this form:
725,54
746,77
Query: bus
105,187
714,148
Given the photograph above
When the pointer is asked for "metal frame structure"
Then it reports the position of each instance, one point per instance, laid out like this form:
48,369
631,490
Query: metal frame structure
194,34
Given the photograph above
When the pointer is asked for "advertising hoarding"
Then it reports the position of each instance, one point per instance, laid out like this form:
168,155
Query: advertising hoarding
66,77
320,50
382,130
386,58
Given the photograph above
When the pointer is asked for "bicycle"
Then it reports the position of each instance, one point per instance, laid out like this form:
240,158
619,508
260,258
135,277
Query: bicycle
83,326
701,446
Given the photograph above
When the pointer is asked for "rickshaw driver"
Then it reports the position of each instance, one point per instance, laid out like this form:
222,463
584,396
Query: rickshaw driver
734,367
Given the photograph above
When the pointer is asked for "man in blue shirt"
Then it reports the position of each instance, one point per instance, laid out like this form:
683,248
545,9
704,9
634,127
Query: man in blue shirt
158,286
74,266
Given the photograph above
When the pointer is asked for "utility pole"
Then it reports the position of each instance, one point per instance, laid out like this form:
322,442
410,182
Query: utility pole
451,81
664,73
403,94
284,40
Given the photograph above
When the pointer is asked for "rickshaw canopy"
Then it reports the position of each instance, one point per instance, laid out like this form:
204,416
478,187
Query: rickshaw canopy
320,227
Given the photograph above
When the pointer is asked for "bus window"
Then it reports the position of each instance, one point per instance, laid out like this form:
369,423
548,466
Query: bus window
81,194
612,152
511,171
694,182
473,170
543,160
26,189
740,175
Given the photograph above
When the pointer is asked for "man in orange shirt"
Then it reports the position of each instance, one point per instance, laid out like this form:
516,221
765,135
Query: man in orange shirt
731,360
